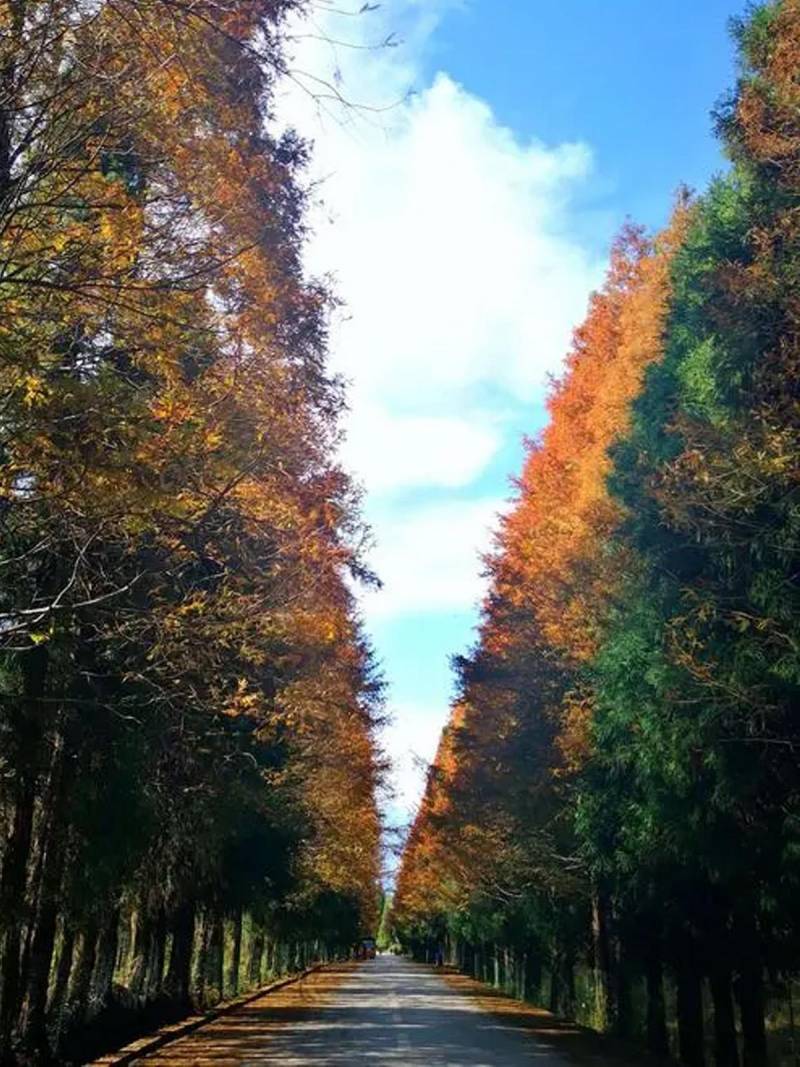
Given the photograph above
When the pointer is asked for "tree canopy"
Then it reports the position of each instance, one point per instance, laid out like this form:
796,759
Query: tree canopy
616,797
188,702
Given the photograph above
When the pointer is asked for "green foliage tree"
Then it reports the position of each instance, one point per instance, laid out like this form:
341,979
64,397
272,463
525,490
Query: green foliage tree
682,803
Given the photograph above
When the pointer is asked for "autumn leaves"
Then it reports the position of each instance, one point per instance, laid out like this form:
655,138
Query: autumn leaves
188,763
614,804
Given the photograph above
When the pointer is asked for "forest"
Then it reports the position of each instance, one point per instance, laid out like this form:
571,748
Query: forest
188,702
611,826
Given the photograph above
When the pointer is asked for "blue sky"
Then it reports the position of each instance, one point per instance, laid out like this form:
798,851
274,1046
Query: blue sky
464,227
632,79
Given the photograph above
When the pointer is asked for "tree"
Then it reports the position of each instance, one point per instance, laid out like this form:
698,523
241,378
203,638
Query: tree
178,636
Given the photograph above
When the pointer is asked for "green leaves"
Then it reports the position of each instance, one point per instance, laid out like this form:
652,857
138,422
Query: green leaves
653,635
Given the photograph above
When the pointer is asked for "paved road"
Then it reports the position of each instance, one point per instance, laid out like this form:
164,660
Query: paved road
387,1011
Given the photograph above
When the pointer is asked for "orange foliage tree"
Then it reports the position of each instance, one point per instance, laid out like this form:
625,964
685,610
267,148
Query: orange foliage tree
495,827
184,673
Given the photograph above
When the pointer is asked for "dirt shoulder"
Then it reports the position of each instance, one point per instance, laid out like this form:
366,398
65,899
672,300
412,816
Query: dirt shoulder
580,1045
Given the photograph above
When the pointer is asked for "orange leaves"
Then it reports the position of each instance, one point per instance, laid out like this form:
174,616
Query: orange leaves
550,559
488,827
769,99
574,738
34,390
175,522
244,701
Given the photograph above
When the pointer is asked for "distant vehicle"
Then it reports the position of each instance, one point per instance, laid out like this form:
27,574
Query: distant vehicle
366,950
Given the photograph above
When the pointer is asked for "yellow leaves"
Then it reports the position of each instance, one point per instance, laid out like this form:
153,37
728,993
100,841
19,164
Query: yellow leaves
107,228
212,438
34,390
244,702
574,739
168,407
60,240
189,606
168,410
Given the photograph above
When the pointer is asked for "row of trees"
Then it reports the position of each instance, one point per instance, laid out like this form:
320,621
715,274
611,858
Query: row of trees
187,702
613,817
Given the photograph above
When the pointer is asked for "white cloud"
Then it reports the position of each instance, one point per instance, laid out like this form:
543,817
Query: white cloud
412,737
402,451
429,558
448,238
446,249
453,245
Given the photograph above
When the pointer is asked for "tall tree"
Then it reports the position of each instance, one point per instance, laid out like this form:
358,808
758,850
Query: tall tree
176,533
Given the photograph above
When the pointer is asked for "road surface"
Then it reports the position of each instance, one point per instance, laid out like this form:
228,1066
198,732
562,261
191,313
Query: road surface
385,1011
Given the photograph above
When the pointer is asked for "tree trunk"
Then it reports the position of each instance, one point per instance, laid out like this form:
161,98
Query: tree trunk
236,954
556,993
12,894
106,958
26,727
154,980
749,989
604,1005
215,950
179,974
41,958
689,1005
533,973
202,960
125,945
657,1038
66,953
142,947
570,998
256,955
624,1023
750,994
519,975
13,915
46,865
80,994
726,1052
53,848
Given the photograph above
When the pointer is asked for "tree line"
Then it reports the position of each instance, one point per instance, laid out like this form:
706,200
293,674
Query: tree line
188,703
612,821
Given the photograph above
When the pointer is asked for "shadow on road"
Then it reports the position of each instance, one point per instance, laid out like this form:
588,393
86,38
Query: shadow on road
388,1011
578,1044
